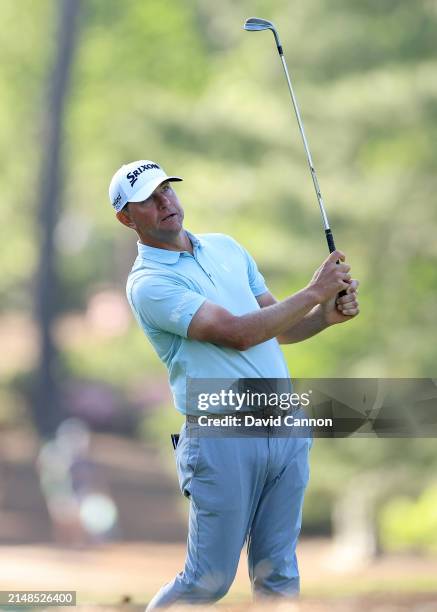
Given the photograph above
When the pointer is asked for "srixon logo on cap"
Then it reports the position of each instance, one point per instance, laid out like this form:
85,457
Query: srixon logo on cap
133,176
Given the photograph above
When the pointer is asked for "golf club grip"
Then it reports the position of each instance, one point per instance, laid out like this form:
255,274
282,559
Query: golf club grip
331,246
330,240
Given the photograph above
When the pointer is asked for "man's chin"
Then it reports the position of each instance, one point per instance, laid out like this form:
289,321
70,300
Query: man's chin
170,232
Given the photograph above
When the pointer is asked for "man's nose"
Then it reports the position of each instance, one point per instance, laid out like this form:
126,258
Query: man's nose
163,201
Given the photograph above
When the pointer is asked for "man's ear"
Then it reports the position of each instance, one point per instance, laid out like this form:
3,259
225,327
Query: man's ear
124,218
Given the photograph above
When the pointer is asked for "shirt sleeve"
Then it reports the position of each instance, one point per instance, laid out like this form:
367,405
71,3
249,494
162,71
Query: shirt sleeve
256,279
163,304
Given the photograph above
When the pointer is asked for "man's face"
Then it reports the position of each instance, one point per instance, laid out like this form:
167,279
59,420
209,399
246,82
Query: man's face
160,216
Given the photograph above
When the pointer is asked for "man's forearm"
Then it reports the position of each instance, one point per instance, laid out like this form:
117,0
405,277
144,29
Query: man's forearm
311,324
275,320
215,324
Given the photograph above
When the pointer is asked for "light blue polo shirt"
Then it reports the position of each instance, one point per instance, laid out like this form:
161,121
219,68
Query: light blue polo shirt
166,288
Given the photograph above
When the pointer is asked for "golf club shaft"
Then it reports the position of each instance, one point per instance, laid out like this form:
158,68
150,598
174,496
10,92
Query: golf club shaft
328,232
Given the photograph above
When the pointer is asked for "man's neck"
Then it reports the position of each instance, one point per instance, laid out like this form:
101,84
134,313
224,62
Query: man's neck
180,242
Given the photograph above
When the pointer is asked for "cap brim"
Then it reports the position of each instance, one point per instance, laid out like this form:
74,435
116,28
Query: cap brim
147,190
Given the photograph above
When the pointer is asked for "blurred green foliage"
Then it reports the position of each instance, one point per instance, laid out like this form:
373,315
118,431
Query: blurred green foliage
408,524
183,84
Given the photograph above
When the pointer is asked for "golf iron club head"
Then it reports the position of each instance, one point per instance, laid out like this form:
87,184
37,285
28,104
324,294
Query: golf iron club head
256,24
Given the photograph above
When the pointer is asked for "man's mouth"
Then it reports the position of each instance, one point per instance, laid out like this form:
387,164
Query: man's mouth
169,216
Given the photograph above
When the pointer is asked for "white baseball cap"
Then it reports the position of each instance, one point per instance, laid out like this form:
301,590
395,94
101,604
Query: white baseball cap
135,182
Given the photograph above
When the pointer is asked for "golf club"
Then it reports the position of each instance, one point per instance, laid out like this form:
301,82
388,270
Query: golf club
255,24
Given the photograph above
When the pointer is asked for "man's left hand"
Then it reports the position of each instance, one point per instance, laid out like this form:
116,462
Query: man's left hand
343,308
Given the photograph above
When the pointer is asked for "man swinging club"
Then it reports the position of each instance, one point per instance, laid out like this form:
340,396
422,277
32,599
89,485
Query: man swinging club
206,309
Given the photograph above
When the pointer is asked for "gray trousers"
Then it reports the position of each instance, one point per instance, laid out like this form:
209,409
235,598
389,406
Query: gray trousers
241,489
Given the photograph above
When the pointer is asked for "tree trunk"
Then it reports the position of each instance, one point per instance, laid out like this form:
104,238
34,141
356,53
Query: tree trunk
46,402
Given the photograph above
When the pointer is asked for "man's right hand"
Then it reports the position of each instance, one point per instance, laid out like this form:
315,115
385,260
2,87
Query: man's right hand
330,278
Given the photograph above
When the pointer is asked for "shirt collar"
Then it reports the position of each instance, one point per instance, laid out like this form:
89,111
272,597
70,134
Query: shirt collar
195,240
164,255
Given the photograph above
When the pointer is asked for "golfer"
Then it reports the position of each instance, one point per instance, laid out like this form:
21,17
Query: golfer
206,309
